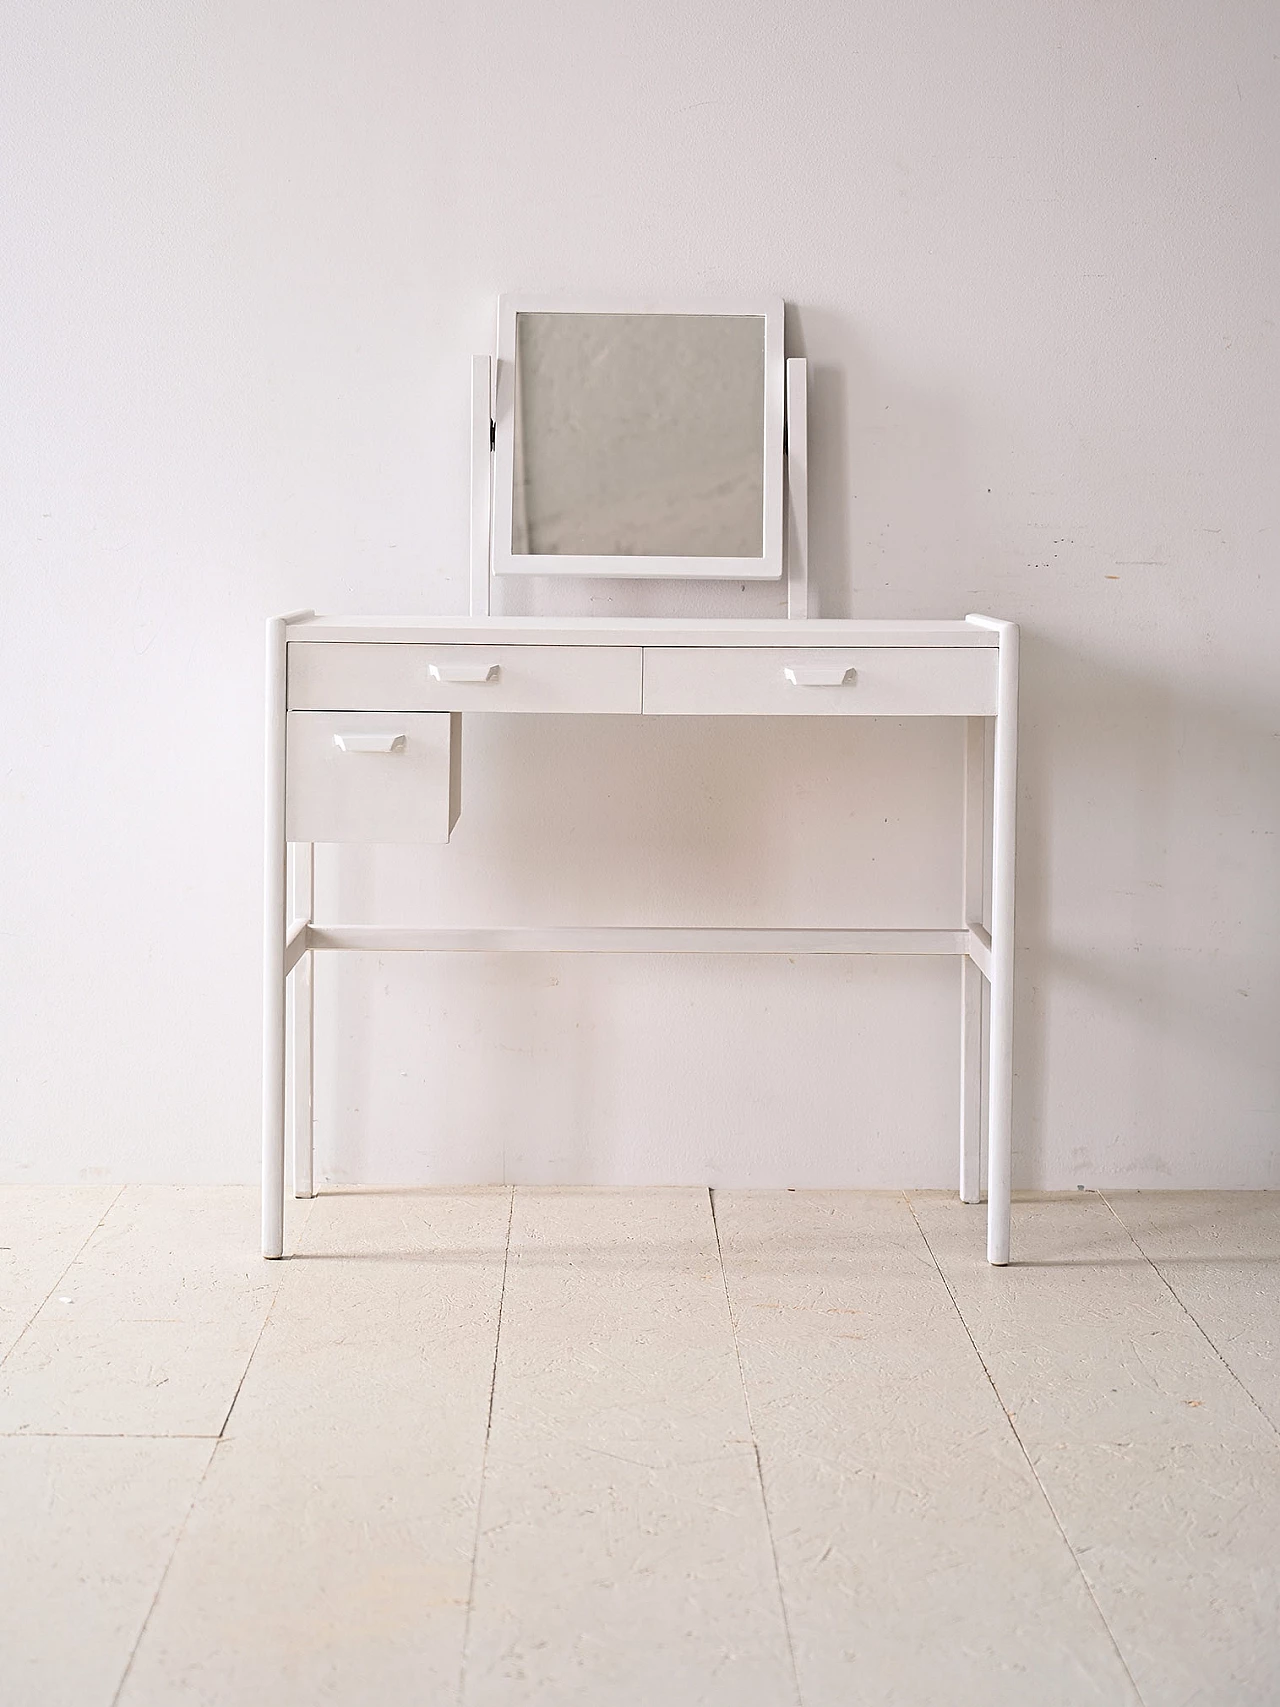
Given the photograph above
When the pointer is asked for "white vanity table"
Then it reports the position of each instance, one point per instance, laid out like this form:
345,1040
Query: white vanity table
364,745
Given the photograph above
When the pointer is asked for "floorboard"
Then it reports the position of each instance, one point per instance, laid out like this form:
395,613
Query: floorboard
329,1555
1164,1473
42,1230
1219,1254
88,1527
151,1326
622,1447
624,1553
919,1559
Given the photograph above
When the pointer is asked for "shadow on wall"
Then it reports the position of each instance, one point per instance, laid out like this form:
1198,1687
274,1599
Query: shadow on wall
1141,981
1145,981
896,529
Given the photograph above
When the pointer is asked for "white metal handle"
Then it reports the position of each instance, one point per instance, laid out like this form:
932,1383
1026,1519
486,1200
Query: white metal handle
391,742
463,672
818,675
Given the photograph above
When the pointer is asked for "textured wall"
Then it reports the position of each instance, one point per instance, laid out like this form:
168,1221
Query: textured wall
1032,249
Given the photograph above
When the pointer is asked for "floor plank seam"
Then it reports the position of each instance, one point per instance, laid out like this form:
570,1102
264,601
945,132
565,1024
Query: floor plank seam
922,1565
217,1440
86,1434
277,1278
1154,1266
484,1455
755,1448
164,1575
1022,1448
80,1250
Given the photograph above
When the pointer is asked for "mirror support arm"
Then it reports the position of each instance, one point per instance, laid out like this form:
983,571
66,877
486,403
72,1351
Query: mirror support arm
481,479
797,488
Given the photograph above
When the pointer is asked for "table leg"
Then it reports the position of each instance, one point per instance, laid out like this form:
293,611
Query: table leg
275,924
1000,1081
300,1027
971,979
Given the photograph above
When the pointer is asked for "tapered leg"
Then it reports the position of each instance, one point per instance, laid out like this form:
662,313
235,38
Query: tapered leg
971,980
301,1028
275,924
1000,1082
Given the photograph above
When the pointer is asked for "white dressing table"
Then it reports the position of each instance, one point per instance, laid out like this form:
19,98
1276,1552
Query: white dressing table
364,745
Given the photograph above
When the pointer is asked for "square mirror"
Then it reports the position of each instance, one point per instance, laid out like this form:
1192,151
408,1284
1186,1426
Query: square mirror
639,441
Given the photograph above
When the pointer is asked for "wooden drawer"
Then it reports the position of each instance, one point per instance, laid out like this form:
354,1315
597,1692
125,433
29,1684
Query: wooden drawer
813,682
376,676
372,776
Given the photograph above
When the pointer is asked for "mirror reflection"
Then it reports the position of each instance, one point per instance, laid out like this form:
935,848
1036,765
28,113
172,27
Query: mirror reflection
639,435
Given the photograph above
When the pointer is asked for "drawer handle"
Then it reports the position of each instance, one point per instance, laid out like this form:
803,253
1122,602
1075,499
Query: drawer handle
463,672
819,675
370,743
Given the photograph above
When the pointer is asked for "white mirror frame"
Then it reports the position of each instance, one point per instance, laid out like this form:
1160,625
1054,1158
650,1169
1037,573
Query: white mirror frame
767,567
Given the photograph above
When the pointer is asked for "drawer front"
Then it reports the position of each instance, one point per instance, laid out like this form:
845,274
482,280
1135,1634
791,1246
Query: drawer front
377,676
811,682
372,776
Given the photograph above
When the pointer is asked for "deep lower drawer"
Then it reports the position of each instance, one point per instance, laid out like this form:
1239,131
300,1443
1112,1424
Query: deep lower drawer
372,776
378,676
812,682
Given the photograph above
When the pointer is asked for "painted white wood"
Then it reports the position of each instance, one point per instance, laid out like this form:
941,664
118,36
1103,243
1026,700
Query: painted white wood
301,1024
976,967
971,1001
799,596
624,1554
1156,1459
976,813
151,1327
400,785
329,1558
878,1434
926,682
361,680
636,631
369,741
1083,1375
381,677
89,1527
767,567
919,1561
1217,1253
979,950
481,480
296,943
463,671
44,1226
275,921
301,1078
632,939
1003,834
818,675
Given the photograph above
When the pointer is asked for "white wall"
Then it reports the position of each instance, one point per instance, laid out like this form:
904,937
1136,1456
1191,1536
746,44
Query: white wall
1032,248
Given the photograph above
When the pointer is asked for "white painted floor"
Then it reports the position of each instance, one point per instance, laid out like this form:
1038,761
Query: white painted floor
637,1447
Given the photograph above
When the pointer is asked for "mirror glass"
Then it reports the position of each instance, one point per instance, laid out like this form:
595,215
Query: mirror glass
639,435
